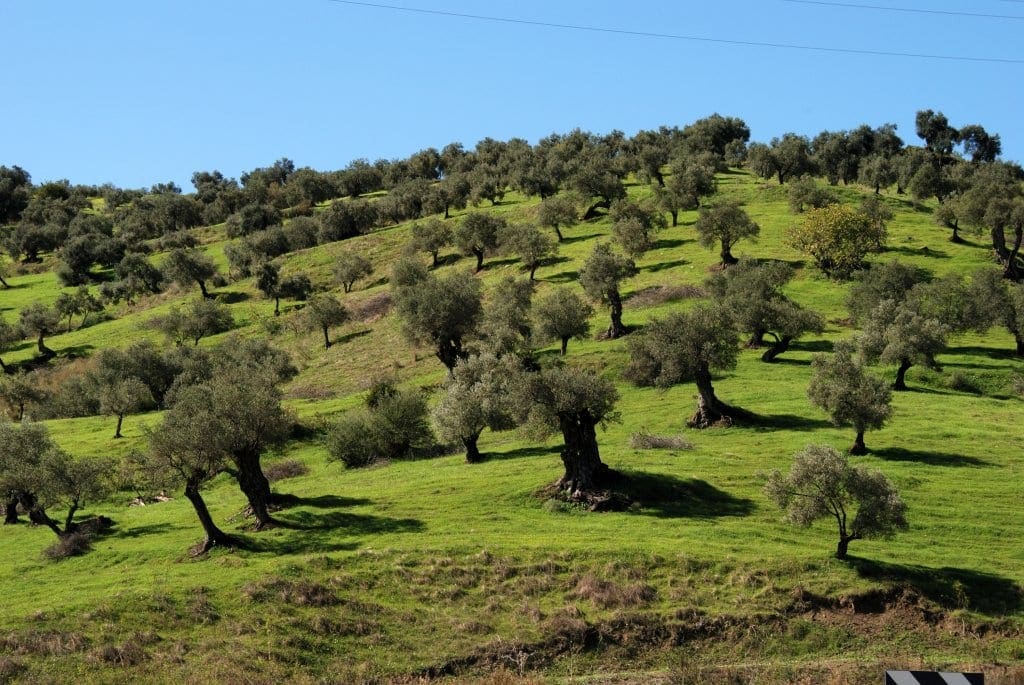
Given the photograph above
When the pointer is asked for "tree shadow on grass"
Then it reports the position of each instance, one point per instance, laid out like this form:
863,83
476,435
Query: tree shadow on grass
356,524
495,263
923,251
661,266
974,350
148,529
232,297
523,452
321,531
579,238
666,243
931,458
792,422
811,346
287,501
951,588
563,277
664,496
340,340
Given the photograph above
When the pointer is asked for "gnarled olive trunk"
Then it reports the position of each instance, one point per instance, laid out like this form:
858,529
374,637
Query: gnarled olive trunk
120,420
479,260
450,352
202,288
710,410
41,345
859,447
69,520
215,537
776,348
327,339
254,485
473,455
584,470
901,374
844,543
675,217
726,255
11,510
565,344
558,233
616,329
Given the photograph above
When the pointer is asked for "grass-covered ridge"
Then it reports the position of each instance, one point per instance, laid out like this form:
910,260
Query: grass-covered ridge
437,568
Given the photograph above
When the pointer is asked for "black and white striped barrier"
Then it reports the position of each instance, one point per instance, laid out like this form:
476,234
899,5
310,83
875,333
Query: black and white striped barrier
933,678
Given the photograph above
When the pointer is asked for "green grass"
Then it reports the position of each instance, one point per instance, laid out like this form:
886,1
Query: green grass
394,570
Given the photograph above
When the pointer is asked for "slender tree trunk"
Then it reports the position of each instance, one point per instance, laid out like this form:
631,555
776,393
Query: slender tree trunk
277,306
533,270
1012,269
433,258
449,352
215,537
3,367
584,470
859,447
660,178
901,372
4,283
710,410
21,411
675,217
41,345
844,543
616,329
38,516
776,349
479,260
447,215
255,486
558,233
117,432
327,339
11,510
69,521
1018,336
473,455
726,254
565,344
202,288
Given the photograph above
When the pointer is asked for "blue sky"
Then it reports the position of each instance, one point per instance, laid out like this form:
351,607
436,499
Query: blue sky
140,92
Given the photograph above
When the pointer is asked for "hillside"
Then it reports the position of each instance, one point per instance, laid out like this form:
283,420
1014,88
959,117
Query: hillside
434,568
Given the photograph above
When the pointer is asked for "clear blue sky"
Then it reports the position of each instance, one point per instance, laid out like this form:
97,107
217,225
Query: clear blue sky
140,92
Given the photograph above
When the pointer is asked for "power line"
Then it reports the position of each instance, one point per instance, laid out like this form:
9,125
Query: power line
674,36
887,8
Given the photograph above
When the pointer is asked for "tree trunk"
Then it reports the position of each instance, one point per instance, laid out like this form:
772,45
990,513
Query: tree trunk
660,178
37,515
11,510
533,270
479,260
120,419
955,238
277,306
616,329
776,349
69,521
1019,337
859,447
447,215
844,543
726,255
254,485
3,367
21,411
1012,269
584,470
449,352
901,372
327,339
675,217
433,258
43,349
214,535
710,410
558,233
202,288
473,455
756,339
565,344
4,283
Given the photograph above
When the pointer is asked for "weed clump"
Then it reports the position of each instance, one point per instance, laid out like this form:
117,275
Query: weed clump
644,440
70,545
286,468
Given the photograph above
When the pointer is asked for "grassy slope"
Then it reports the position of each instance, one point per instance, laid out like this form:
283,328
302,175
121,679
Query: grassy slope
429,559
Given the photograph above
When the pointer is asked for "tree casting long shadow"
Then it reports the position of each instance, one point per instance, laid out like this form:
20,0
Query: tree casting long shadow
927,457
792,422
950,588
665,496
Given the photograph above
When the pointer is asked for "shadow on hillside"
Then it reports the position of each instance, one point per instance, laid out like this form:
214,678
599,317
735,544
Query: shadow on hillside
320,531
666,243
951,588
232,297
148,529
75,351
563,277
661,266
792,422
925,457
495,263
974,365
523,452
287,501
664,496
811,346
788,361
341,340
991,352
923,251
579,238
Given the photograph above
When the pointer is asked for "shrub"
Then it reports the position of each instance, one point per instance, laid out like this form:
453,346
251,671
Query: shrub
286,468
393,426
648,441
71,545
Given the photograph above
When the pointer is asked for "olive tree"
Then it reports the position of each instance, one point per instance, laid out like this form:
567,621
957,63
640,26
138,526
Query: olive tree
323,312
8,335
532,246
685,347
431,236
557,212
349,268
575,402
122,396
822,484
200,318
478,234
561,315
896,334
634,226
725,225
19,390
40,321
601,274
440,311
752,294
477,395
187,266
505,324
848,393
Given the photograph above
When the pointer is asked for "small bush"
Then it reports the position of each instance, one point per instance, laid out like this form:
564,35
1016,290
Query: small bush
286,468
394,426
70,545
372,308
648,441
660,294
964,382
351,440
130,653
